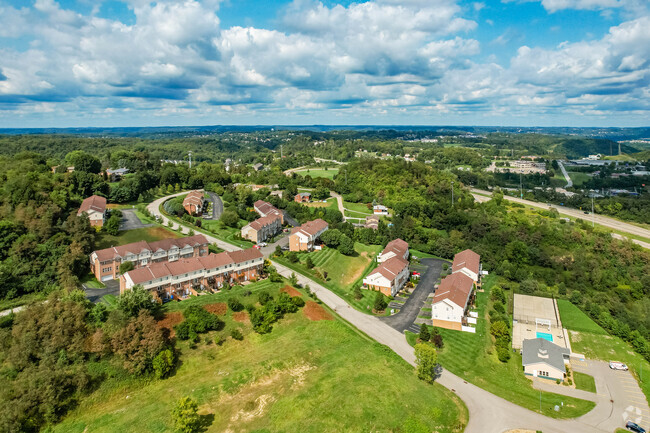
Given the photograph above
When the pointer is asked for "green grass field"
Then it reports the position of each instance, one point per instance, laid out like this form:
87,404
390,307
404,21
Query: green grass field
149,234
319,172
584,381
228,234
573,318
329,204
91,282
342,271
578,178
305,376
472,357
357,209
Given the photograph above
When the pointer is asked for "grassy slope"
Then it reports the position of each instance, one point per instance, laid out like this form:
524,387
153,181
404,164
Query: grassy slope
584,381
578,178
343,271
330,204
575,319
149,234
472,357
314,377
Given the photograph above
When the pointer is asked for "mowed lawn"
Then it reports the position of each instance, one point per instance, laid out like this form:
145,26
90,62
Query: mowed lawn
227,234
319,172
472,357
342,271
149,234
584,381
305,376
575,319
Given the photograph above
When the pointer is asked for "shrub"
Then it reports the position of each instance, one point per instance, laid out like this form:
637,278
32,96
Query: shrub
264,298
436,339
163,363
236,334
380,303
218,340
426,360
357,292
235,305
424,333
134,300
498,306
503,353
186,416
292,257
298,301
309,263
197,321
558,381
126,267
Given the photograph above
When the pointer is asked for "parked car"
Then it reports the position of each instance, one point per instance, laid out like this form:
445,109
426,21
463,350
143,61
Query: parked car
284,248
262,244
615,365
636,428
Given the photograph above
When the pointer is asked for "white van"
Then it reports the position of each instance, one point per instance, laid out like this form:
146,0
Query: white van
615,365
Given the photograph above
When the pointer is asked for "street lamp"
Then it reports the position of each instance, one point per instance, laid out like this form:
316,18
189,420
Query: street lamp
452,193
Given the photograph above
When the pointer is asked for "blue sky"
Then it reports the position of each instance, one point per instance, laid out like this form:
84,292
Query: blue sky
424,62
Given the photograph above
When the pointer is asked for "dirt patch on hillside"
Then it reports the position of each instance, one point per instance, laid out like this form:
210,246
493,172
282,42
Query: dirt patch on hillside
315,312
241,316
291,291
219,308
353,276
170,320
162,233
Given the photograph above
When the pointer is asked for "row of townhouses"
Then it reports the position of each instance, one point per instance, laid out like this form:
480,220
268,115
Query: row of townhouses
172,280
304,237
265,227
105,263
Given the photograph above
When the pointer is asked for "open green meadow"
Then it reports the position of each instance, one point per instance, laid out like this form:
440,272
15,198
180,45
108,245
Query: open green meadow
578,178
360,209
342,271
575,319
304,376
328,173
473,357
149,234
330,203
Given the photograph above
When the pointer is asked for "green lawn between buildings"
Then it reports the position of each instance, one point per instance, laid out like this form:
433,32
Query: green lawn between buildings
149,234
304,376
584,381
575,319
472,357
342,272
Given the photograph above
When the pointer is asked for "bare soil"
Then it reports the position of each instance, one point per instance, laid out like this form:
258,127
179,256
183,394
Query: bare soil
219,308
291,291
170,320
241,316
315,312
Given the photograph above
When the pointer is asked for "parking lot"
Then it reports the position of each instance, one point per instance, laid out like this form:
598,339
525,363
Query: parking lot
618,393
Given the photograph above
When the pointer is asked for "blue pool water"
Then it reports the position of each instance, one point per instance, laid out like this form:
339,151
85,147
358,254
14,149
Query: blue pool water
545,336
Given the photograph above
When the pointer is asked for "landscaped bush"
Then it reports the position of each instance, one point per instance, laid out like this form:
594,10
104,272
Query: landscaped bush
236,334
197,321
235,305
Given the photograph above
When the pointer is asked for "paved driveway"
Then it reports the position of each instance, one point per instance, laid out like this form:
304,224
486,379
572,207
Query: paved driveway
130,221
217,206
404,319
289,219
95,295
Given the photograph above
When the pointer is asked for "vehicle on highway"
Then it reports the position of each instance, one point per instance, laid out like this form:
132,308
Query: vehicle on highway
632,426
616,365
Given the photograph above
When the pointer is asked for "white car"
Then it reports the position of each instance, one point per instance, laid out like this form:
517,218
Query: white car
262,244
615,365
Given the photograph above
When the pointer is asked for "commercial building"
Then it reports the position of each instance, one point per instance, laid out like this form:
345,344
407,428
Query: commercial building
186,277
95,208
105,264
304,237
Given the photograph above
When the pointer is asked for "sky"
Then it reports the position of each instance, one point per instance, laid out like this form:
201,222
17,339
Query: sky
85,63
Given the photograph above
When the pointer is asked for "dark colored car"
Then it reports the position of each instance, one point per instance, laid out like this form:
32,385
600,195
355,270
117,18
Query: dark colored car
631,426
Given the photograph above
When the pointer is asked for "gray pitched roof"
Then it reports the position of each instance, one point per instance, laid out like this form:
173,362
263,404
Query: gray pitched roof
537,350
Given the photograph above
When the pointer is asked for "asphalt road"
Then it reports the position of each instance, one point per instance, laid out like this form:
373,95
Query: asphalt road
575,213
289,219
217,205
95,295
402,320
569,182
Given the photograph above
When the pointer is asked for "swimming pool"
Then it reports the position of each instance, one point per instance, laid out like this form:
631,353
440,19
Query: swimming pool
545,336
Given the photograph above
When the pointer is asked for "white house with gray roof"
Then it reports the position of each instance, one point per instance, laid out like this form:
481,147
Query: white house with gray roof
544,359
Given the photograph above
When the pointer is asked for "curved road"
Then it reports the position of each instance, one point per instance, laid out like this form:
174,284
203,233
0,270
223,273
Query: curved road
488,412
569,182
480,196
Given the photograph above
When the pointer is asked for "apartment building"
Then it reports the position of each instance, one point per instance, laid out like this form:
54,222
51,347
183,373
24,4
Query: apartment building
302,238
389,277
264,208
95,208
105,264
394,248
262,228
194,203
176,280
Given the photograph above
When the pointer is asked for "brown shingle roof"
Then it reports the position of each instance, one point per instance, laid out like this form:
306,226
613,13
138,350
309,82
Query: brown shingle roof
391,268
94,202
397,246
456,288
138,247
194,198
310,228
466,259
180,267
259,223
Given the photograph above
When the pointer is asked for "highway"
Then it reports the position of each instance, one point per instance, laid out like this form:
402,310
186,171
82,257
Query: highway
480,196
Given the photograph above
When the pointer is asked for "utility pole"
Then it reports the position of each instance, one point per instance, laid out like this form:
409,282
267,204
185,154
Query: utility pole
521,187
190,157
281,152
593,223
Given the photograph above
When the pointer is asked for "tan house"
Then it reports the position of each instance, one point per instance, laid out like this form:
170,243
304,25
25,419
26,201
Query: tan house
372,222
302,238
194,203
394,248
174,280
264,208
389,277
262,228
95,208
105,264
451,301
469,263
